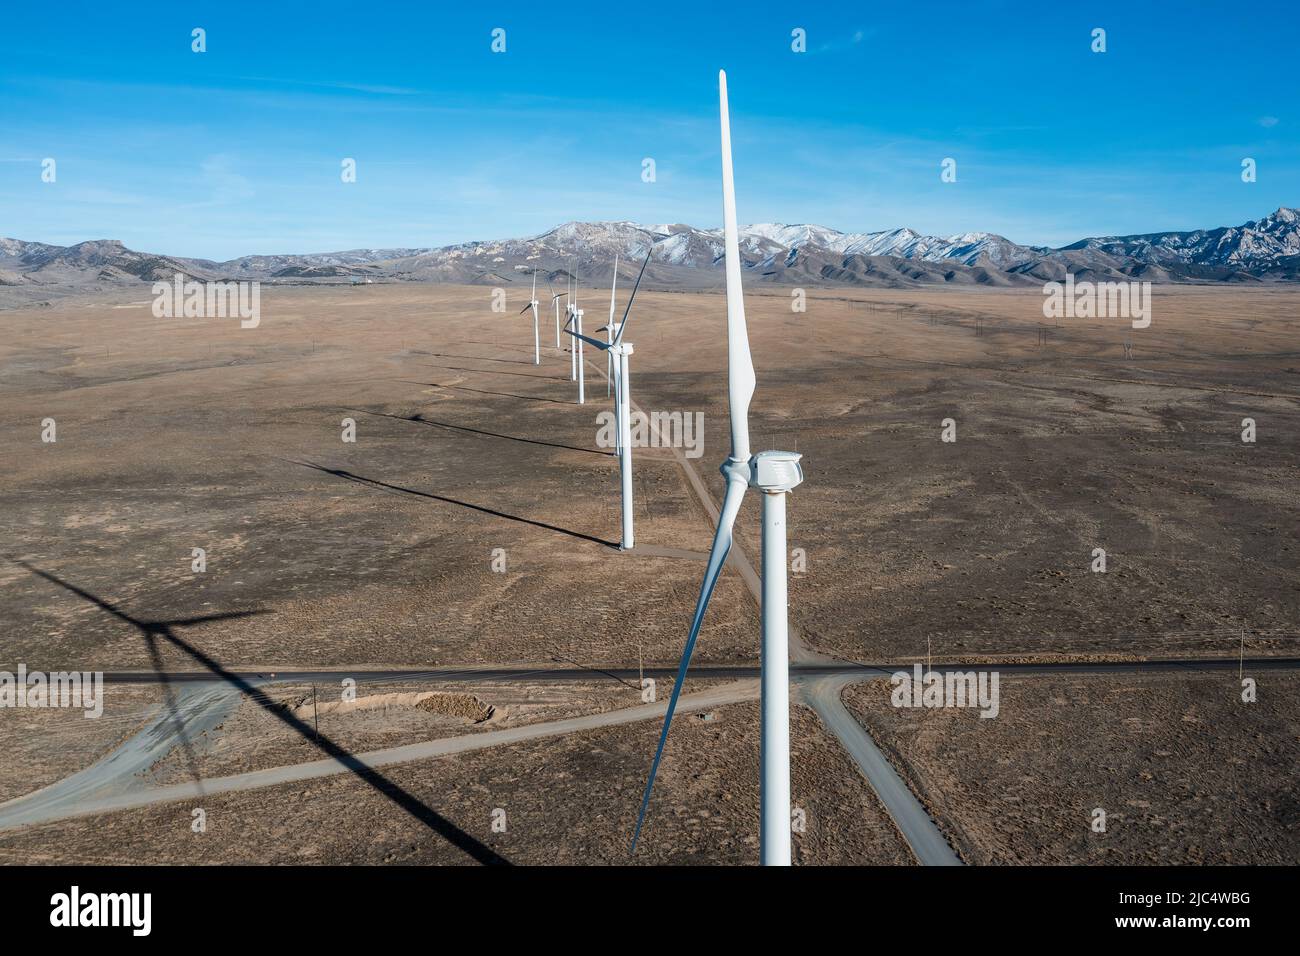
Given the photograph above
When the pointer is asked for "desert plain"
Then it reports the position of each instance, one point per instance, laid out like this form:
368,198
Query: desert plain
458,563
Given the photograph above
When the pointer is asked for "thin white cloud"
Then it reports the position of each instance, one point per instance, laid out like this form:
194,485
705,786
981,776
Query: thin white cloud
844,43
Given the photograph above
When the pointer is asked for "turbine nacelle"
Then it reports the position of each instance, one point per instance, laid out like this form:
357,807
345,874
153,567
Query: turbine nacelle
775,471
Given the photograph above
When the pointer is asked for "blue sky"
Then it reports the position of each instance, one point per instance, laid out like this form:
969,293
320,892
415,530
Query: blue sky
238,150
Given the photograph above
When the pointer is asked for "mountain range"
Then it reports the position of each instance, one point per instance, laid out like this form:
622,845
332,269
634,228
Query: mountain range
1265,250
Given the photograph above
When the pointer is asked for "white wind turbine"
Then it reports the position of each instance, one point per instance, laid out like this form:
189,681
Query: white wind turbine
555,300
609,331
622,407
570,307
532,304
577,325
774,473
577,370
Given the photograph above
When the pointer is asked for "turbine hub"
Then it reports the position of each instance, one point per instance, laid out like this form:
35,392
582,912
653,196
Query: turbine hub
775,471
733,469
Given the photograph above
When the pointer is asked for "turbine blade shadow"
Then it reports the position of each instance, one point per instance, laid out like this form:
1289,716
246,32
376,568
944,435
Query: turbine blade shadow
381,784
169,699
491,371
478,358
482,509
421,420
488,391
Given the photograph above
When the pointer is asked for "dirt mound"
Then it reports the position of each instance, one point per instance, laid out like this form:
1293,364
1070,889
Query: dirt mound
457,705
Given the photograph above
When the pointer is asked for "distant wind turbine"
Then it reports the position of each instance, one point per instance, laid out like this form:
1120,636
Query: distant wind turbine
555,300
532,304
571,306
609,331
623,404
576,366
774,473
577,325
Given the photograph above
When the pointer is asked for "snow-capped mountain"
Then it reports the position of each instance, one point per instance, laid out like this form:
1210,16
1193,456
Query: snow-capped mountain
899,257
763,241
1265,241
683,256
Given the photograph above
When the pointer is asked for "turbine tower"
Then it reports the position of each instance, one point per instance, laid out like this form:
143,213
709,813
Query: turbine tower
609,331
621,351
577,352
555,300
532,304
577,371
571,307
774,473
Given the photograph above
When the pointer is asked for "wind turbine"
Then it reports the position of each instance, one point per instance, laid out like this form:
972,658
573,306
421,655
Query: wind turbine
555,300
570,307
620,350
577,369
609,331
532,304
774,473
577,325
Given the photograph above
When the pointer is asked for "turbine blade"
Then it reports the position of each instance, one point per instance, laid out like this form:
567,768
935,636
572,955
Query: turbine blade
596,342
525,308
717,556
623,325
740,366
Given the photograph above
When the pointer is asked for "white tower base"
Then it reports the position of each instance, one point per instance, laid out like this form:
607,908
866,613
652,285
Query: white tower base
537,342
775,473
577,346
621,353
